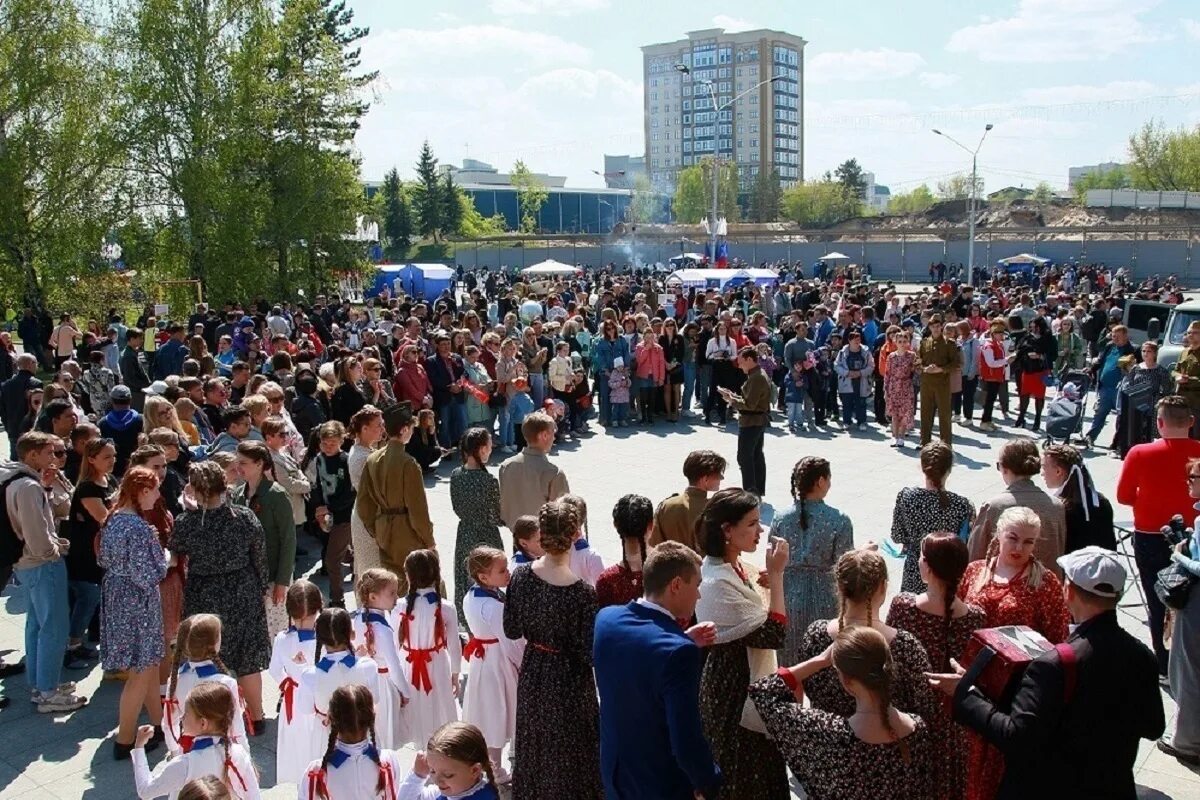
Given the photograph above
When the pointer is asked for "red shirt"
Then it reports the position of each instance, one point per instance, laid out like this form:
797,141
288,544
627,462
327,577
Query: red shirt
1154,481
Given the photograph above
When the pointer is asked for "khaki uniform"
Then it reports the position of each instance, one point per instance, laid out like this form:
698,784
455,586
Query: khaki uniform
1189,365
528,481
676,518
935,388
392,506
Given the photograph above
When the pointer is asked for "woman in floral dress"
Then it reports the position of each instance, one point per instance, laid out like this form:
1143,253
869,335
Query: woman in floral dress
920,511
131,633
475,497
1013,588
817,534
943,623
557,742
746,639
898,386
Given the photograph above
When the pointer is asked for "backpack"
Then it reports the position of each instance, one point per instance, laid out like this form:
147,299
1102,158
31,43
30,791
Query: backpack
11,545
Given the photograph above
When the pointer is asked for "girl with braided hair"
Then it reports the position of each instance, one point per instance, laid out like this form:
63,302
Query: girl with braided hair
585,562
919,511
817,534
557,739
294,649
943,623
633,517
475,498
197,660
875,753
336,665
427,627
377,592
353,766
861,578
456,761
209,749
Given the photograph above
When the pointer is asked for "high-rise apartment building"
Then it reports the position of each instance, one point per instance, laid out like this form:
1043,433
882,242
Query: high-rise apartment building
760,129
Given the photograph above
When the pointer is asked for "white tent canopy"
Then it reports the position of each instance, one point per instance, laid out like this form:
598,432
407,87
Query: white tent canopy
1024,258
834,255
717,278
550,267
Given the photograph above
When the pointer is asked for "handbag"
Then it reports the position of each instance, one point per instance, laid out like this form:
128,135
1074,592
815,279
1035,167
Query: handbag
1172,585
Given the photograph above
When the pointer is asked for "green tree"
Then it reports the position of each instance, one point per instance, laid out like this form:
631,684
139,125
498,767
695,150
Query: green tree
452,210
1043,193
1165,160
531,195
690,204
1117,178
958,187
693,192
428,195
915,202
820,204
851,176
59,155
643,206
397,217
475,225
765,196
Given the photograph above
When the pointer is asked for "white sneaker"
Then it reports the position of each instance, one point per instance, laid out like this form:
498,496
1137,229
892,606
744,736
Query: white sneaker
59,701
35,696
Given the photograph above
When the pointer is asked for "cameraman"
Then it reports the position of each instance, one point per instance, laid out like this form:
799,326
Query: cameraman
1073,728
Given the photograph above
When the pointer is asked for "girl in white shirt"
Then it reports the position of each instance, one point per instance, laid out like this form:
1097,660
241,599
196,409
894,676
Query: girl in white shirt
197,661
207,749
294,651
456,762
527,541
490,700
377,591
352,767
428,631
585,562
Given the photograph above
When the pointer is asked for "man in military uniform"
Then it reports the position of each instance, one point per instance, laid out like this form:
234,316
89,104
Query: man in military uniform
676,517
1187,375
938,357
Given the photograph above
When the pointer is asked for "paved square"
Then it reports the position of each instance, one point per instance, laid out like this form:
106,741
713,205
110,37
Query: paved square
70,756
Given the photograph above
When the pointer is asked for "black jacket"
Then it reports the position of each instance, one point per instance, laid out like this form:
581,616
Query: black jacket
1095,528
14,398
1085,747
133,372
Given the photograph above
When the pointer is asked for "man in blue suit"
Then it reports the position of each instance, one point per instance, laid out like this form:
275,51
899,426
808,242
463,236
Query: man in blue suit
652,744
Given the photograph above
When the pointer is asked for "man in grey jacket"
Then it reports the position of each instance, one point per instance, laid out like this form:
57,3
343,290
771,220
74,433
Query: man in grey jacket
40,569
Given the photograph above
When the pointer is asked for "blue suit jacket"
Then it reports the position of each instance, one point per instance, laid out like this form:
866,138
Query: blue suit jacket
652,742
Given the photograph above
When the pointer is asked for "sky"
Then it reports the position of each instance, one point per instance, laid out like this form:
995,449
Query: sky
558,83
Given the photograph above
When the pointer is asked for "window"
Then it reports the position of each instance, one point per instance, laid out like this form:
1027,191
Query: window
687,119
687,160
723,72
687,147
754,142
687,105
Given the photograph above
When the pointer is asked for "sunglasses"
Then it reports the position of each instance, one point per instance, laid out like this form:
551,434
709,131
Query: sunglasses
1193,477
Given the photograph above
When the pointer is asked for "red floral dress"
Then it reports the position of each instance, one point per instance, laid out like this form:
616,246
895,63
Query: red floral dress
618,585
1011,603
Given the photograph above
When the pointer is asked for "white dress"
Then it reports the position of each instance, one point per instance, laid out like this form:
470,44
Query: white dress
352,774
586,562
390,730
431,656
291,654
366,549
317,685
190,674
207,757
490,701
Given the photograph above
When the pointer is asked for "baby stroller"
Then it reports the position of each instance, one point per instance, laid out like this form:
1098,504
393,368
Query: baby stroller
1064,414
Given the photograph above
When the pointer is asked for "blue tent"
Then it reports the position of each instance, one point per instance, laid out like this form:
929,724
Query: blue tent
415,280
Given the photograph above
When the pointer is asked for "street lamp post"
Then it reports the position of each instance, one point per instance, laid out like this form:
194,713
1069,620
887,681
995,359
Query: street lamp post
712,93
973,203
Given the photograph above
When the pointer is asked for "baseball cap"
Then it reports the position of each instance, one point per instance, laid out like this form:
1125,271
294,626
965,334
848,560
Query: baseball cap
120,394
1095,570
156,388
1115,313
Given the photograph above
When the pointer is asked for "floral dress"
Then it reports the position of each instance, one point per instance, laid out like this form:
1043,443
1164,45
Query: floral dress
808,578
941,643
898,388
558,716
918,513
832,763
475,497
1011,603
227,576
134,563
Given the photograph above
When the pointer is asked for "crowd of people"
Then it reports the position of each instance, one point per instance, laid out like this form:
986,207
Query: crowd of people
167,478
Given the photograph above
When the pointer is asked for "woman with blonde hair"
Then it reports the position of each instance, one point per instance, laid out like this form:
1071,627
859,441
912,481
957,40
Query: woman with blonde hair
160,413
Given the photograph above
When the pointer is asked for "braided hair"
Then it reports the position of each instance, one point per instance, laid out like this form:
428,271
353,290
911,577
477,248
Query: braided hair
558,522
471,443
632,516
581,512
351,719
422,570
947,557
198,639
805,475
862,654
214,702
333,630
860,575
936,460
462,742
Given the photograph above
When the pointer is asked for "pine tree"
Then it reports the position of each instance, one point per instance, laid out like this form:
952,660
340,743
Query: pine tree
452,211
430,208
397,219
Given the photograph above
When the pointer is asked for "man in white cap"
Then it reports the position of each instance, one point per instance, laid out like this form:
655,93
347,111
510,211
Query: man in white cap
1073,726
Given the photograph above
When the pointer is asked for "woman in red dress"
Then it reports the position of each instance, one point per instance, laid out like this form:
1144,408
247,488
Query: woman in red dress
1013,588
633,516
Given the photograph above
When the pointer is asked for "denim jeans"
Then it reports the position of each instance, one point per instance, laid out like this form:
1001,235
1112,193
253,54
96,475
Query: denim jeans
1106,402
689,385
601,384
46,623
504,425
85,598
1152,554
537,388
703,379
619,411
854,408
452,423
795,415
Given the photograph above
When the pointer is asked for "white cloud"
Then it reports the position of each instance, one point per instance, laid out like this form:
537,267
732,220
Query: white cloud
937,80
862,65
454,49
1064,95
733,24
560,8
1192,28
1058,30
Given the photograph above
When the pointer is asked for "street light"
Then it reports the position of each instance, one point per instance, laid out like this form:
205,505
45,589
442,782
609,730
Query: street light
973,203
684,69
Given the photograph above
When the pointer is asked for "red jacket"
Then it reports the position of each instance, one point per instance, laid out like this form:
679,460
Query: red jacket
991,374
411,384
1154,482
651,363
